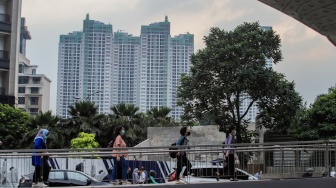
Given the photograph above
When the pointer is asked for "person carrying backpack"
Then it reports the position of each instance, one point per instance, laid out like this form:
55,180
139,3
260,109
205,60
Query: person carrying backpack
181,154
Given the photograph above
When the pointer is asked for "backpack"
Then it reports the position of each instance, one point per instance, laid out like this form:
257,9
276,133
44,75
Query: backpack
172,150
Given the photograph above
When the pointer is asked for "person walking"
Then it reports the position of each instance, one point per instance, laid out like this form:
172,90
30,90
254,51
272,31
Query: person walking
119,156
40,163
229,152
181,156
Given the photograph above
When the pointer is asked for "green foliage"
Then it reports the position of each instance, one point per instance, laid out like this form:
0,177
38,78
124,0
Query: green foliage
159,117
12,126
84,140
46,120
230,70
128,116
84,118
319,120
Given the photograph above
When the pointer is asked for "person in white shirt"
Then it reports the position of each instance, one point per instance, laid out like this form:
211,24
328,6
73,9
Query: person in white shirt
142,177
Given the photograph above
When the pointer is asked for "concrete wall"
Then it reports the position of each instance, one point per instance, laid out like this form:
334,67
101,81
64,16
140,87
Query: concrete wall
200,135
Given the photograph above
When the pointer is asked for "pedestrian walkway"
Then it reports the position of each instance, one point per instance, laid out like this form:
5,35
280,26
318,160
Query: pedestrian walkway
289,183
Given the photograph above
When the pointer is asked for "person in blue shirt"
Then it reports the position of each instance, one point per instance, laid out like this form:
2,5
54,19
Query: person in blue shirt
37,160
181,156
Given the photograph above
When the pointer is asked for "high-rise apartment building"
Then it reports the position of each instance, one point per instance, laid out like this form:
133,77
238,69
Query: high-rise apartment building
155,71
10,17
181,48
84,67
68,76
125,68
111,69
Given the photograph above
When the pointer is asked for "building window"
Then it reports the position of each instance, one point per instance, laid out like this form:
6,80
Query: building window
34,90
21,100
36,80
23,79
33,110
34,100
33,71
22,90
21,68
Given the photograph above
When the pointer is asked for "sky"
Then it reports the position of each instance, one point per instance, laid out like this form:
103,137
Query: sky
309,58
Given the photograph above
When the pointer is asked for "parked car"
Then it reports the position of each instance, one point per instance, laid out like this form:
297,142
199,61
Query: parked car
60,178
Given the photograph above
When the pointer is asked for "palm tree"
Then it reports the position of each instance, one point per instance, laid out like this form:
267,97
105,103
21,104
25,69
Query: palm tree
48,121
84,117
159,117
128,116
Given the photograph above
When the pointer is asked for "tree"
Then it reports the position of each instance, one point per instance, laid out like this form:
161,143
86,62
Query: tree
84,140
12,126
230,70
46,120
128,116
159,117
84,118
319,120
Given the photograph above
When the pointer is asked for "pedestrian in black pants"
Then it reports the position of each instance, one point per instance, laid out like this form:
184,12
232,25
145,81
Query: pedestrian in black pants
182,159
41,163
229,153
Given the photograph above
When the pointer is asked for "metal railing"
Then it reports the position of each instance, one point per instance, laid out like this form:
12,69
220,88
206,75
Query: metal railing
269,160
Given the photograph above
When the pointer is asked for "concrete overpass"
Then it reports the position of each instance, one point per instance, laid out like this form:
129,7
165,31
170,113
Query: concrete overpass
319,15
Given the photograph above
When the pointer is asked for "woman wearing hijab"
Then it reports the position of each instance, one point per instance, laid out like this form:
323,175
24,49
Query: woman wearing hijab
119,157
37,160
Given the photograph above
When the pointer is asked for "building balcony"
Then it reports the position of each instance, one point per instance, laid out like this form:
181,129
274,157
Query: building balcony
5,23
4,60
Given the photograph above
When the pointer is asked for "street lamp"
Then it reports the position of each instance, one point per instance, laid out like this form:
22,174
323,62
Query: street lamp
88,96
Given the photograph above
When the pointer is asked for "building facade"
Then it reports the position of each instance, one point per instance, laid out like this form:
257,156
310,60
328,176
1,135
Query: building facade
84,67
125,68
155,81
111,68
33,88
182,47
10,19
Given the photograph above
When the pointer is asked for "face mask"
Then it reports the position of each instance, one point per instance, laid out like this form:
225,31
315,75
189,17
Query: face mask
45,136
234,133
188,133
122,132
